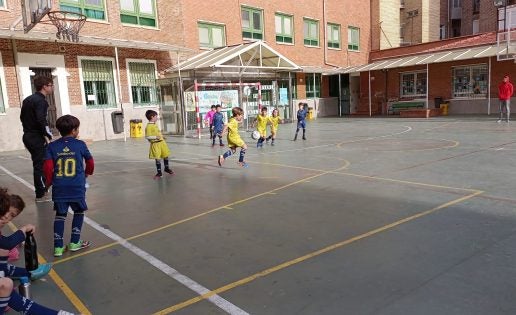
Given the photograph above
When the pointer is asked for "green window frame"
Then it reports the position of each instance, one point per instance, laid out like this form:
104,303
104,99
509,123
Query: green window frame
252,23
333,31
313,85
211,35
311,32
142,76
284,28
353,38
138,12
2,4
93,9
99,83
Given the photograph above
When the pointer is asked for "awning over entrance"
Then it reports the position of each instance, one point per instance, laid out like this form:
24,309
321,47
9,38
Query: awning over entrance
428,58
255,55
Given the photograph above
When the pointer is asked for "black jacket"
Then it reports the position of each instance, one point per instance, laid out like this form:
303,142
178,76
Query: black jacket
34,115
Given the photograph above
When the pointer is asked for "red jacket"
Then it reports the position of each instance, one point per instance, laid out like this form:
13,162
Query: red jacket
505,90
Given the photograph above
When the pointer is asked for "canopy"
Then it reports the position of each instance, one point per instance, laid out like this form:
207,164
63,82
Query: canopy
255,55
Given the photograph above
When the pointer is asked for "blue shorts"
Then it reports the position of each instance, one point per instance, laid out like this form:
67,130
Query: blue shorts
301,124
61,207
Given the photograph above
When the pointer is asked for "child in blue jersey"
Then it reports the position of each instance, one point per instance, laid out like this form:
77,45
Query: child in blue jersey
218,125
301,120
9,297
64,169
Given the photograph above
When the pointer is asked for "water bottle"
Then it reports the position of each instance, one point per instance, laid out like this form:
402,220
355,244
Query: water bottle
24,287
31,252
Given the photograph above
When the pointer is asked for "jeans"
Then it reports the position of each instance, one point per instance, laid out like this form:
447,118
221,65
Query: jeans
507,105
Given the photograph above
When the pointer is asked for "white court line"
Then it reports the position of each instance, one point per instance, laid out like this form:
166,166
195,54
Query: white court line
161,266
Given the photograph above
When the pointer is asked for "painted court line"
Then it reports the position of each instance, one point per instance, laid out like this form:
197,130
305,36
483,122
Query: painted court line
312,255
171,272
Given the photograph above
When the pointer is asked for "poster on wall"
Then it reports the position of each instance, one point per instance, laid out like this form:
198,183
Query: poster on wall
283,96
226,98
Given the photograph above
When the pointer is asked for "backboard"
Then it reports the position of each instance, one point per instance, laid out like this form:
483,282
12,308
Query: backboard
506,45
33,11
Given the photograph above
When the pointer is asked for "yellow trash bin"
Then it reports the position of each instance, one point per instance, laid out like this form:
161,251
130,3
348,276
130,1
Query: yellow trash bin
136,128
444,109
310,113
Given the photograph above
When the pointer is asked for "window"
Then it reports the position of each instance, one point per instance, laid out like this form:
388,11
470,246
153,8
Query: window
284,29
456,3
313,85
475,27
252,26
353,38
2,4
476,6
311,32
333,35
93,9
469,81
142,77
98,83
211,35
413,84
510,23
138,12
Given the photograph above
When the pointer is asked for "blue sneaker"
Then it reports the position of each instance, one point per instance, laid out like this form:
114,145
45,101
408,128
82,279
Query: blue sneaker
243,164
39,273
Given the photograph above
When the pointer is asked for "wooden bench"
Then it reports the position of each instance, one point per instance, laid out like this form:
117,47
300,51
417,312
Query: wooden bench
396,107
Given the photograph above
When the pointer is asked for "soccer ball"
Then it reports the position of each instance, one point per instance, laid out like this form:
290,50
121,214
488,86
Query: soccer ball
255,135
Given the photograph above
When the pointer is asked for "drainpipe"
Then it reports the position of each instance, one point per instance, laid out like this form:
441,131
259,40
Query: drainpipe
489,88
326,38
370,113
448,22
119,89
17,68
427,87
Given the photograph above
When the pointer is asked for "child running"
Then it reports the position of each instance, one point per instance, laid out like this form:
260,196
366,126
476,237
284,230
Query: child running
64,169
301,120
261,125
274,120
158,147
208,119
218,125
234,140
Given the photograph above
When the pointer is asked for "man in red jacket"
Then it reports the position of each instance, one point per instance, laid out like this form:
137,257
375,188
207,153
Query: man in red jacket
505,90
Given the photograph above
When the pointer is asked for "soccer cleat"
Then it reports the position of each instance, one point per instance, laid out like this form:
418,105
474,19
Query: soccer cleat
304,138
221,144
169,171
499,121
243,164
41,271
158,175
58,251
272,143
73,247
221,160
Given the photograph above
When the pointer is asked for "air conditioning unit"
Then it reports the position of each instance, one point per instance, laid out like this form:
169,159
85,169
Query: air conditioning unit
413,13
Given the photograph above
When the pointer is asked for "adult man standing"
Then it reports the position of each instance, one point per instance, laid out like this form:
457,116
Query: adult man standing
36,131
505,90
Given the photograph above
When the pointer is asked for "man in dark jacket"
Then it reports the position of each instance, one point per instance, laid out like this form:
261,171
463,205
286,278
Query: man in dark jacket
36,131
505,90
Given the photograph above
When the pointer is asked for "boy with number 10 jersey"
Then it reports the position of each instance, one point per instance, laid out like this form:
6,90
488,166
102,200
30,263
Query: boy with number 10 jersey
65,171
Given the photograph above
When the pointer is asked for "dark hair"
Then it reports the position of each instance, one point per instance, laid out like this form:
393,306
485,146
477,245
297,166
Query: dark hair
5,201
150,113
40,81
264,108
17,202
217,106
213,106
66,124
236,111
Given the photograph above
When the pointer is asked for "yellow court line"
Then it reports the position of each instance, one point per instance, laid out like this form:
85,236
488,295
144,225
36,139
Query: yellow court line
84,253
310,255
72,297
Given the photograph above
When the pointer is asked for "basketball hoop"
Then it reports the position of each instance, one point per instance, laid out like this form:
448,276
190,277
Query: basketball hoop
68,24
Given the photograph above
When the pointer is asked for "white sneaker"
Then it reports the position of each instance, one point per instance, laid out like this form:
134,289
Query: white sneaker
45,198
499,121
61,312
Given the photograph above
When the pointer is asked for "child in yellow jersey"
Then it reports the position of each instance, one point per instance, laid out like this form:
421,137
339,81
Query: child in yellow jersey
158,147
274,120
261,125
234,140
